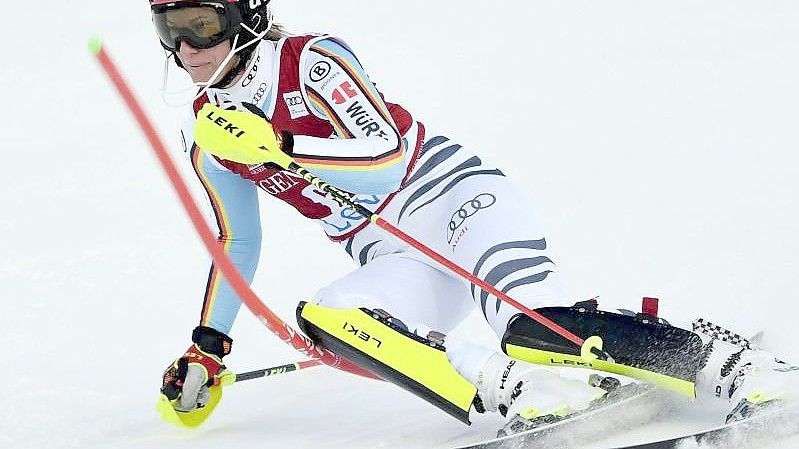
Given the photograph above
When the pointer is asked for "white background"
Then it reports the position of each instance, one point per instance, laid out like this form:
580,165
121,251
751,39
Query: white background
659,140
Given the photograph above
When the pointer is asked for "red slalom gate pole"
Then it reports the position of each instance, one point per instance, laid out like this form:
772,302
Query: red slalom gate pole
231,273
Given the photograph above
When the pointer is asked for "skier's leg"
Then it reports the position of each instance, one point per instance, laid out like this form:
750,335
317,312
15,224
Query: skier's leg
438,210
476,217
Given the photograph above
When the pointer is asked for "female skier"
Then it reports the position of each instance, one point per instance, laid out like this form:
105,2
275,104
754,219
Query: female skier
329,116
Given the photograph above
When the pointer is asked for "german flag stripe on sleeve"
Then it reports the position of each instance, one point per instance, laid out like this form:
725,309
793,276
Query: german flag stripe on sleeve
215,276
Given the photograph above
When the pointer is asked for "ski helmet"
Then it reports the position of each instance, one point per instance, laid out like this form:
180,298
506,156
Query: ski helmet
206,23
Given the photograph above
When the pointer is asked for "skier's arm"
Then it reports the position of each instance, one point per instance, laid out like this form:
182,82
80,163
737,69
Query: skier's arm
234,203
369,155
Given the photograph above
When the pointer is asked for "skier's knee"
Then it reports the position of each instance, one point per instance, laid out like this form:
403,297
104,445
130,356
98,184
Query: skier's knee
384,346
642,345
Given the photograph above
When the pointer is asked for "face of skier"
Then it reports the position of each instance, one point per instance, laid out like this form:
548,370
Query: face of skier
201,63
198,33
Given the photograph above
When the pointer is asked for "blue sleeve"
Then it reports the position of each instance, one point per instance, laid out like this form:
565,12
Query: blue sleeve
234,202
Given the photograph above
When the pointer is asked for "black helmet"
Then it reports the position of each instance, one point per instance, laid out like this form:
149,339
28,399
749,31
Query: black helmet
239,21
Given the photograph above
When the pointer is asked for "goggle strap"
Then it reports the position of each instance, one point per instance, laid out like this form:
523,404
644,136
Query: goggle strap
257,38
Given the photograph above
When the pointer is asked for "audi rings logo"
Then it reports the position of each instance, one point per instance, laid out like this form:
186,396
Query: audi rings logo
469,208
259,94
251,74
319,71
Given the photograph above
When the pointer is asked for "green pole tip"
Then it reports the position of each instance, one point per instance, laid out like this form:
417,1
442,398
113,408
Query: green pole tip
95,44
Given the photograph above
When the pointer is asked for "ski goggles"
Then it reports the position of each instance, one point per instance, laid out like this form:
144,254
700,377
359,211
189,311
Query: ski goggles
201,24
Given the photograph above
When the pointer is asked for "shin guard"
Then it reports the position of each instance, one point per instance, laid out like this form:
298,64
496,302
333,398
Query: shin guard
385,348
643,347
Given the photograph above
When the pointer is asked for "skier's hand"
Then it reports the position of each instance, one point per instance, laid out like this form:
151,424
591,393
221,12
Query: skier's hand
241,133
187,379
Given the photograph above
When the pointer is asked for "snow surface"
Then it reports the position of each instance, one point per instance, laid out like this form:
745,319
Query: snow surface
658,138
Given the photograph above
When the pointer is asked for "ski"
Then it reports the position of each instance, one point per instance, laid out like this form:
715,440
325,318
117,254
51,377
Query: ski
765,426
628,403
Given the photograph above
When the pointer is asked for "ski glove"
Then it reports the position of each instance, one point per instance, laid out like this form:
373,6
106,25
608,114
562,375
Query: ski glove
242,133
188,378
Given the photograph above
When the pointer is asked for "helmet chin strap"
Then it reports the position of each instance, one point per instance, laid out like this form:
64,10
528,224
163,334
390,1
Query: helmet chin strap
216,75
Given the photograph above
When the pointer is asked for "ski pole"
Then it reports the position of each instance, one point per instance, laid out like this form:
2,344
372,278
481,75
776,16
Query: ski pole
275,370
239,285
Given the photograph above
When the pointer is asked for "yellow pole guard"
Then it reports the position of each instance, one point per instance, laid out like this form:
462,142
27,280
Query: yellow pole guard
227,378
238,136
192,419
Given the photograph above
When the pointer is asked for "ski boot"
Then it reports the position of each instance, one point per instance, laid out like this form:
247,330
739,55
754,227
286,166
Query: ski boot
737,371
529,396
